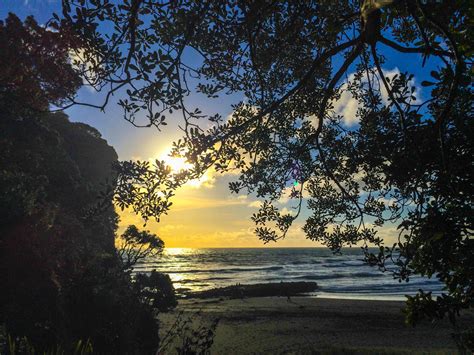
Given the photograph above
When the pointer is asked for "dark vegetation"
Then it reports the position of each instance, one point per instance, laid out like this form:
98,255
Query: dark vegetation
280,289
64,286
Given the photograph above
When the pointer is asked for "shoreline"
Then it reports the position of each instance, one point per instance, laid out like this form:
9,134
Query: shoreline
309,325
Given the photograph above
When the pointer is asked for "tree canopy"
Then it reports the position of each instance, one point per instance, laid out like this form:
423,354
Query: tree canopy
401,157
35,55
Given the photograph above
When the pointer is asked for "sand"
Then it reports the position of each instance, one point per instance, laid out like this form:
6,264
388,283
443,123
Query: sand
272,325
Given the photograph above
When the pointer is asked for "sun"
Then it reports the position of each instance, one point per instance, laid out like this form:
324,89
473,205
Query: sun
179,164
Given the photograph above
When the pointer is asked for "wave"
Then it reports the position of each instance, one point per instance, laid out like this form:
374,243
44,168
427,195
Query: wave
384,288
307,262
344,264
216,278
335,274
224,271
339,276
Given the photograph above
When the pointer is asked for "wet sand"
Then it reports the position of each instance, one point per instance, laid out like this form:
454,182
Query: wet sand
303,325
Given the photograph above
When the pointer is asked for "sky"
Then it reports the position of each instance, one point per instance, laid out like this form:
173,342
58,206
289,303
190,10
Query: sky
204,214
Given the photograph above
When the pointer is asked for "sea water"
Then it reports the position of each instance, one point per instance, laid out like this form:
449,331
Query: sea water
338,276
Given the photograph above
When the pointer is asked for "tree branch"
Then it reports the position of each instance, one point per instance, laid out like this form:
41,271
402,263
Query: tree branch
389,90
274,105
131,28
321,115
457,70
330,90
423,50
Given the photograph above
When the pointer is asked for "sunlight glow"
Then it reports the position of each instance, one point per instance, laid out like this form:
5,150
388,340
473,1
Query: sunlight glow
179,164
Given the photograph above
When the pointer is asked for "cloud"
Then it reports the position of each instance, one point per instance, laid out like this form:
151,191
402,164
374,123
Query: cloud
313,120
286,193
285,196
255,204
245,237
170,227
389,232
287,211
192,203
207,180
347,105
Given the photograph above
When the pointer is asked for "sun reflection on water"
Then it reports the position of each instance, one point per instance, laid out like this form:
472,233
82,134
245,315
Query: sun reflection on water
178,251
177,260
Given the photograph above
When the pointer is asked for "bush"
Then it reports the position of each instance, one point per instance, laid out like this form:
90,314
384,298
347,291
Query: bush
156,290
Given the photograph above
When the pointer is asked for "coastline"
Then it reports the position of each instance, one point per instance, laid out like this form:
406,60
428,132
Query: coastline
312,325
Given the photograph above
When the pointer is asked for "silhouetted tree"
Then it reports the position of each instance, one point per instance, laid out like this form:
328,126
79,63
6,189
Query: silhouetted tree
137,245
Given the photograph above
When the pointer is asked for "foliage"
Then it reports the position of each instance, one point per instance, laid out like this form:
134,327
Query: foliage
23,346
156,290
196,341
465,339
189,335
101,304
136,245
406,160
146,188
38,54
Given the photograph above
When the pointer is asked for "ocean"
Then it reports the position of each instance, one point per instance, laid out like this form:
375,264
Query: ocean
338,276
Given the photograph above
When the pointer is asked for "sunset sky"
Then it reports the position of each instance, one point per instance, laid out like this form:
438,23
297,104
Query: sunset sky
205,213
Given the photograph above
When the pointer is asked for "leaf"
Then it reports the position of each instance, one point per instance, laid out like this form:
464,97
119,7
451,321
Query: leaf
427,83
435,75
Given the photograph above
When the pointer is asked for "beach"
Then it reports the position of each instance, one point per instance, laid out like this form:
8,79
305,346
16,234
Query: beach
313,325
